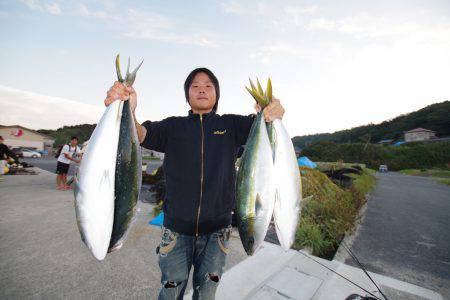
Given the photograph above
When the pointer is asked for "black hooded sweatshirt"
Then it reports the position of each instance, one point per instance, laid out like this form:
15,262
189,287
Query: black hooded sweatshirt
199,167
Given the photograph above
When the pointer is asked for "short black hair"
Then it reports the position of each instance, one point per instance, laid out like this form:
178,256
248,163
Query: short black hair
212,77
74,138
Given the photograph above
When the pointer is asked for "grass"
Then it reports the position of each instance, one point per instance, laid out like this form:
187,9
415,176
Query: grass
325,166
330,212
427,172
445,181
148,157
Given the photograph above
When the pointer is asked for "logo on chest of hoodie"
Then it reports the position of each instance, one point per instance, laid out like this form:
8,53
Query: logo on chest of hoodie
220,132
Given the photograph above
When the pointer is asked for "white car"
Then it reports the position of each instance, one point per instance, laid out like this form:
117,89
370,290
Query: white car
31,153
383,169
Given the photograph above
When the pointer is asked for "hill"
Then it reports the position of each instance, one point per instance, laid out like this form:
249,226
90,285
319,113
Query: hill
62,135
434,117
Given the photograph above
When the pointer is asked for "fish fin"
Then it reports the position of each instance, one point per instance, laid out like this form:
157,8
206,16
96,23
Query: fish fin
132,76
253,94
258,205
106,179
260,90
128,69
254,89
269,91
119,74
277,200
116,246
298,207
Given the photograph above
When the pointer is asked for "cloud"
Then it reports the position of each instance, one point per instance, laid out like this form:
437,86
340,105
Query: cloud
37,111
51,8
233,7
371,26
267,52
321,24
145,24
33,5
104,15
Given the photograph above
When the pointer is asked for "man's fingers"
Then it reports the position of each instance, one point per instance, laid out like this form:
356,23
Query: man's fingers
124,97
266,113
273,111
111,94
108,101
130,89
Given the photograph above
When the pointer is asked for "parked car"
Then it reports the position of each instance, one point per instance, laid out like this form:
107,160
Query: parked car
43,152
383,169
31,153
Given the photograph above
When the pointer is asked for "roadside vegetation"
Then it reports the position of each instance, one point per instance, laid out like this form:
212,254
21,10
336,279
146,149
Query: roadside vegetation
418,155
148,157
427,172
329,210
445,181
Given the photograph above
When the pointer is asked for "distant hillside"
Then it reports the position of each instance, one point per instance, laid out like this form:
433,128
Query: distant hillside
434,117
63,135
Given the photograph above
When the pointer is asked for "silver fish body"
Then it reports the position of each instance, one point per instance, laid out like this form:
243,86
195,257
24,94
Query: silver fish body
94,185
254,187
288,192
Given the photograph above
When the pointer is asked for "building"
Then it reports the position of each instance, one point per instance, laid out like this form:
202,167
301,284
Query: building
17,136
419,134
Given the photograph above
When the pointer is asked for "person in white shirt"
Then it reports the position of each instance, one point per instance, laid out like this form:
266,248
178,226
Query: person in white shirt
69,153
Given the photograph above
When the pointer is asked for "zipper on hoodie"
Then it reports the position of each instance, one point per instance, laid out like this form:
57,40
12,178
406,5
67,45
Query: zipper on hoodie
201,175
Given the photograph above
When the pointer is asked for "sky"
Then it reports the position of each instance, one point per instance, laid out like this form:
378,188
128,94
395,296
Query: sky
334,64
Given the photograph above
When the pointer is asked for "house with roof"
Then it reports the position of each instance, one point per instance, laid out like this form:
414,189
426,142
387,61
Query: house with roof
16,136
419,134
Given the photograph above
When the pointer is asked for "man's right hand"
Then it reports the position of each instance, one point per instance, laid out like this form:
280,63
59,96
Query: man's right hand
120,91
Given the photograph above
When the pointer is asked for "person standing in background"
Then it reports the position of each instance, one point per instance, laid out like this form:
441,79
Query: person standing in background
68,154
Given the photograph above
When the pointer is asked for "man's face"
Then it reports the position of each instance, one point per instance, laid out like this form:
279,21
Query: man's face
73,142
202,94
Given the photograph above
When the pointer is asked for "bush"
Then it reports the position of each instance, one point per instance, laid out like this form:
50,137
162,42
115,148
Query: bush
328,211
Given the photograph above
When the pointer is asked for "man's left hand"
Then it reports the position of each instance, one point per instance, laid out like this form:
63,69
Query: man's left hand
272,111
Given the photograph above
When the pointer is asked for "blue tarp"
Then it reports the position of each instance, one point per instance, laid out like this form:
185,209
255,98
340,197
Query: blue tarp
158,221
306,162
399,143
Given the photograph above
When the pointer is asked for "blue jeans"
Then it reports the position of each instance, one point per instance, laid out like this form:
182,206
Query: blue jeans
178,253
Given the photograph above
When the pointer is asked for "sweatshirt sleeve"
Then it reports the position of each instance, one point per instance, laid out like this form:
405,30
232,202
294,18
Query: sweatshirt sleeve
156,137
242,126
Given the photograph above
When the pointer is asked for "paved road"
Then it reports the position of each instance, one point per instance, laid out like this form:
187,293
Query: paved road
405,232
49,164
42,256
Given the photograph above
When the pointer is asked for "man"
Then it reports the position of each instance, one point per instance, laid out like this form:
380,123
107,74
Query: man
5,152
68,154
199,168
